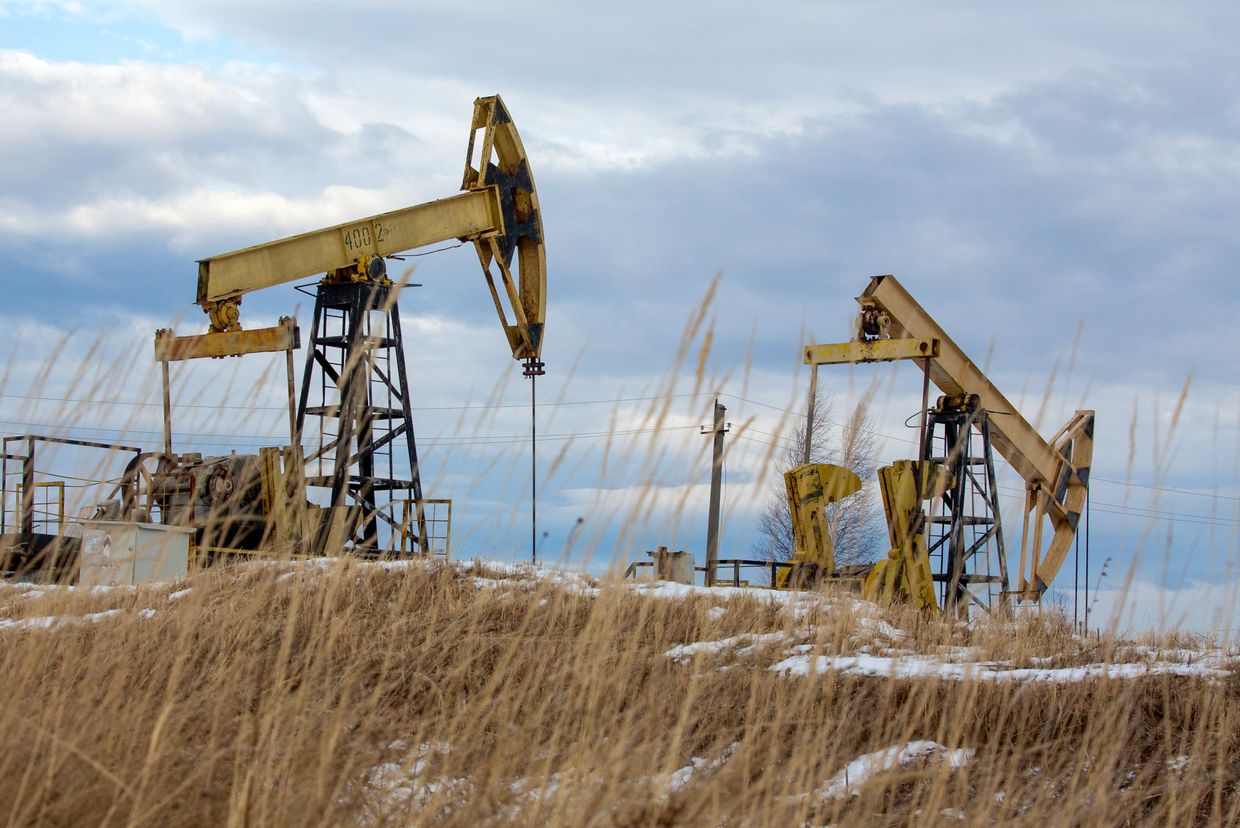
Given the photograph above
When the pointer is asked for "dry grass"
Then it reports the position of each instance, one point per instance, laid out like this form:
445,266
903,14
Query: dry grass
353,694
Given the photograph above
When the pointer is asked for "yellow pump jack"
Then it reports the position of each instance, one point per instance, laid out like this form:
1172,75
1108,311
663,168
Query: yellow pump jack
964,528
365,465
811,487
905,572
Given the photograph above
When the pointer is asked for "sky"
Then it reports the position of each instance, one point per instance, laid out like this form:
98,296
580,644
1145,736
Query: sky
1057,185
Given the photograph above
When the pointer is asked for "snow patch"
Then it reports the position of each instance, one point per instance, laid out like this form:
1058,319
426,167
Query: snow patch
393,787
1177,764
51,622
855,774
744,644
681,777
104,589
927,667
877,626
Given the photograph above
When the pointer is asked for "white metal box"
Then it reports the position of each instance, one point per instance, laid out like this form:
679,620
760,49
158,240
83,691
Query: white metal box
676,567
116,553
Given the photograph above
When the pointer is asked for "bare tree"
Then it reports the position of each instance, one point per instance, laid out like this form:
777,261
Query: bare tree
854,520
856,527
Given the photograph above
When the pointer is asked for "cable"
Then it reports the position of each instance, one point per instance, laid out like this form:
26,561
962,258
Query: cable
1164,519
914,442
1165,489
220,406
494,439
832,422
234,438
404,256
1210,520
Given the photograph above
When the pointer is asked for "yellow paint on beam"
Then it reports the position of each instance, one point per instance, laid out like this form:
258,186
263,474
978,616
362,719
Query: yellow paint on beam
873,350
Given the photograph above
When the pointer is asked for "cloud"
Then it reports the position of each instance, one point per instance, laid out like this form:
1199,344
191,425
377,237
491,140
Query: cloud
653,51
147,131
1145,606
190,221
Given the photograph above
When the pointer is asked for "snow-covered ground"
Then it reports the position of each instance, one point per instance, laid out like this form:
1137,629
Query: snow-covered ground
929,667
874,648
851,778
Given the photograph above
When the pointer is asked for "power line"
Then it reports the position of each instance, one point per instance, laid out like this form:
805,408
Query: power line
210,438
1127,513
890,436
1165,489
193,438
1013,494
1138,511
1115,509
224,406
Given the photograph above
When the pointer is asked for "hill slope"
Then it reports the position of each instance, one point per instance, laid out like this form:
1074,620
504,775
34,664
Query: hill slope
330,692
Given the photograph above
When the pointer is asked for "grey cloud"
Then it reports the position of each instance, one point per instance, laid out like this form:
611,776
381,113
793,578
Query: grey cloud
1071,221
1092,196
669,52
149,130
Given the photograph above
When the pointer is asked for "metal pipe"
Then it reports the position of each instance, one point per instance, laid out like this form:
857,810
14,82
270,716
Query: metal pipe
533,469
28,488
809,414
294,437
1087,561
167,410
925,406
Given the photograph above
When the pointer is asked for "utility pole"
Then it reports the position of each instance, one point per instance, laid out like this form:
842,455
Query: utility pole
716,484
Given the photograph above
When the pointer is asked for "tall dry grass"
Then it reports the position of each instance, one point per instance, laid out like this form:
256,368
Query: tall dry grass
351,694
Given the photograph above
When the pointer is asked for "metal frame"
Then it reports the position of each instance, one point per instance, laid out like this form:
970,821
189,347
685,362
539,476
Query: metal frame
1056,472
801,575
892,325
26,550
46,485
29,471
967,530
428,514
357,353
284,337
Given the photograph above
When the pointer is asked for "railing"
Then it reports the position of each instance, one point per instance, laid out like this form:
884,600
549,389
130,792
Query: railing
769,570
633,567
47,511
432,516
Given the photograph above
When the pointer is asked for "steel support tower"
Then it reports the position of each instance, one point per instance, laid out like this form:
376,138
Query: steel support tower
965,531
365,452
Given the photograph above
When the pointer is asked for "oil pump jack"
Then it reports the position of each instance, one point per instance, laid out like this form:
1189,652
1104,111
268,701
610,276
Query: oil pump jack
953,554
364,460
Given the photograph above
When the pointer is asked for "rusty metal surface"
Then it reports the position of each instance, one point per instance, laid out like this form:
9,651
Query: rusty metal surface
1056,472
873,350
172,348
285,260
